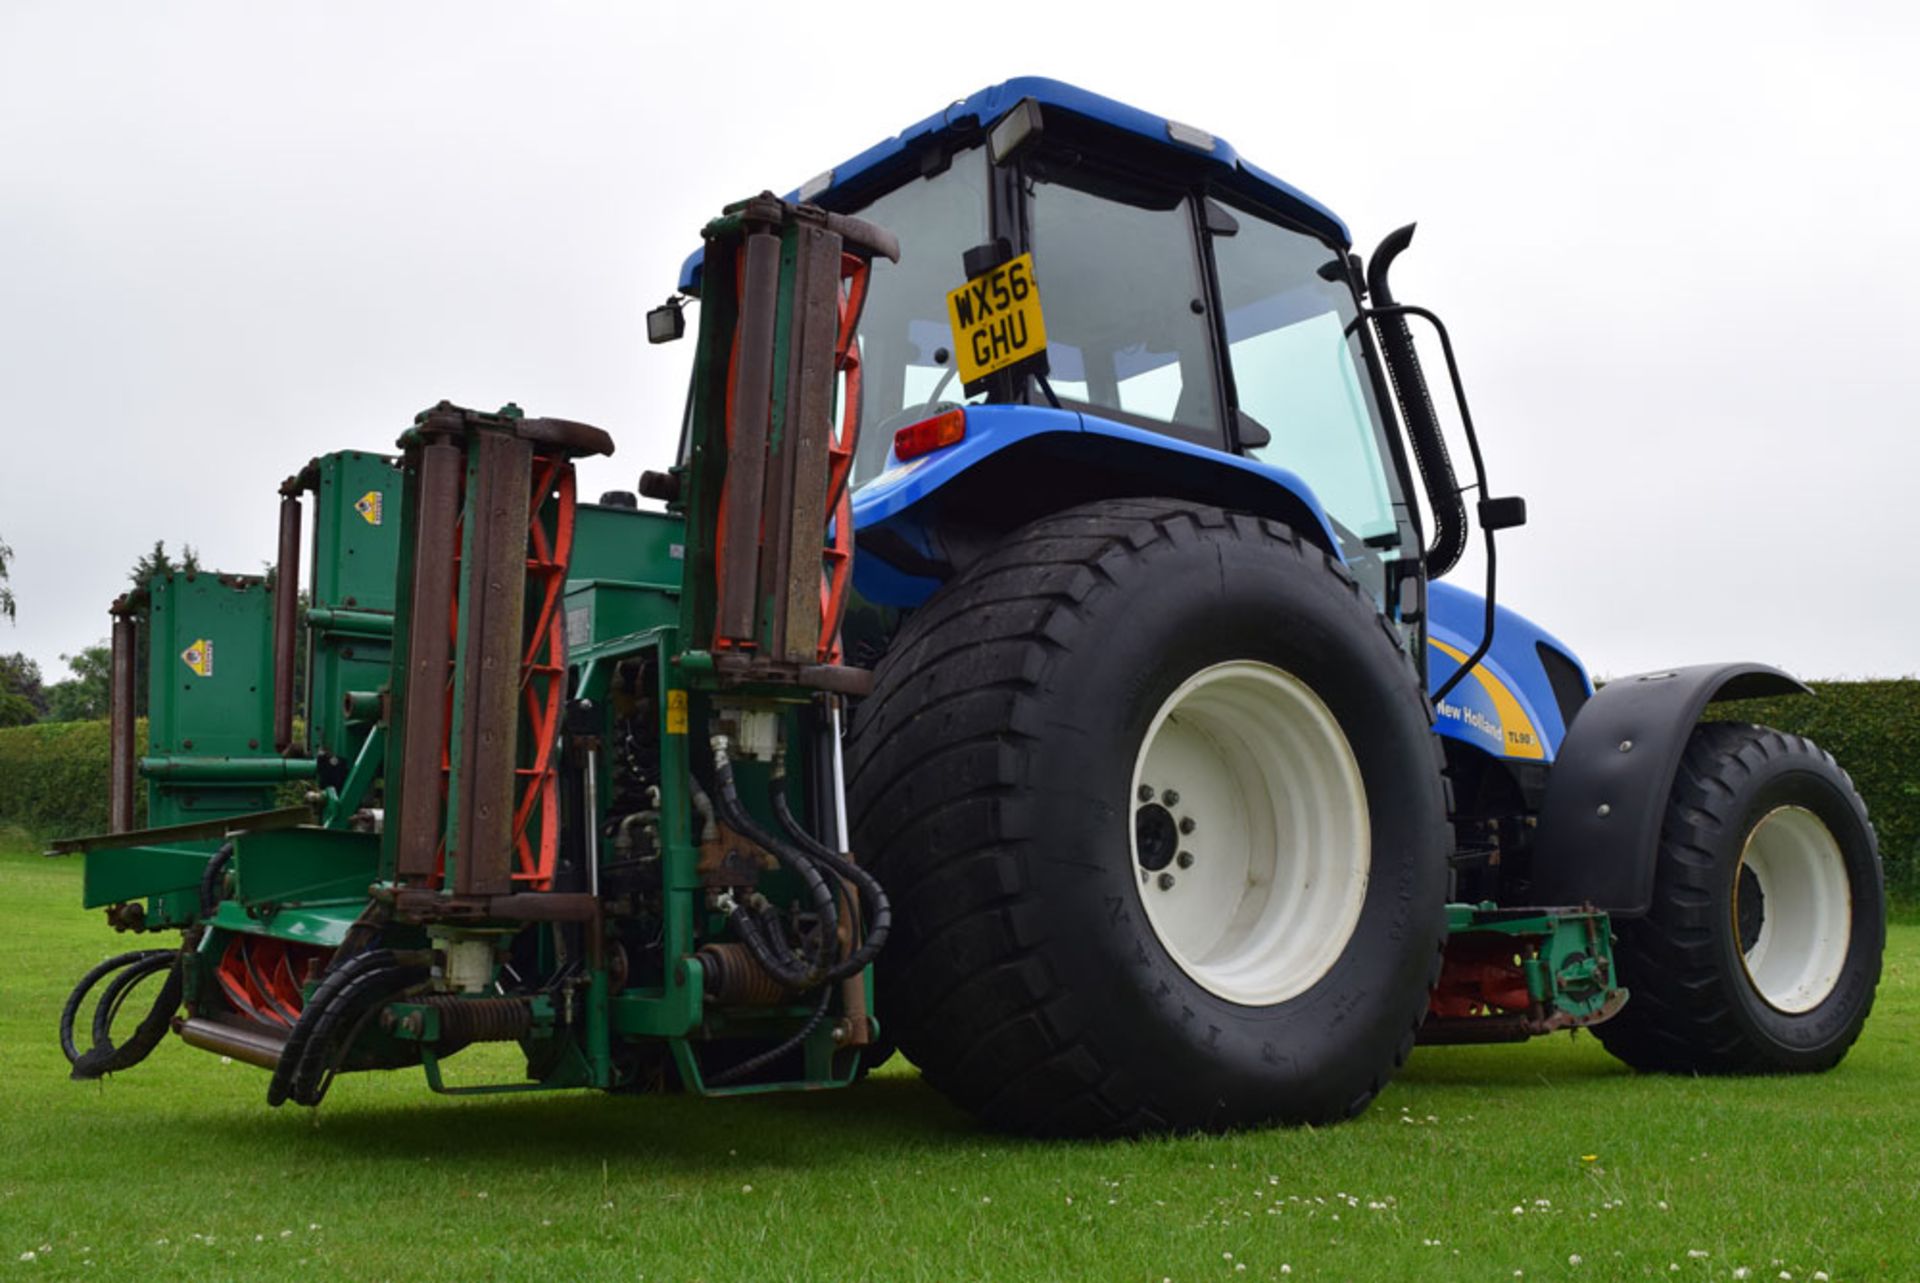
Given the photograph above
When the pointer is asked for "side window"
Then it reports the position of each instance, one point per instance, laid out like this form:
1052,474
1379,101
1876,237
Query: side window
1120,282
1297,373
904,337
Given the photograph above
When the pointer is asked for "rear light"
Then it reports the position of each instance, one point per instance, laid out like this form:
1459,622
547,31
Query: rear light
928,435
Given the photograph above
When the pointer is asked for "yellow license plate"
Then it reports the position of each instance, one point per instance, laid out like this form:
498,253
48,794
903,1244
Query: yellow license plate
996,320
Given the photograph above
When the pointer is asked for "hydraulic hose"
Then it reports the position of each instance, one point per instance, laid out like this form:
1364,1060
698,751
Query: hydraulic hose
879,910
210,879
340,1024
781,963
746,1067
304,1060
727,799
104,1056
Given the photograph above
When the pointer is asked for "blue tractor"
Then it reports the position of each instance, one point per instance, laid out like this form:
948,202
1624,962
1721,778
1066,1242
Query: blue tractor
1200,793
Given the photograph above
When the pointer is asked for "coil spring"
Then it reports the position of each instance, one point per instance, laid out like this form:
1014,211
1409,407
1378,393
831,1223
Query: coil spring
481,1019
732,976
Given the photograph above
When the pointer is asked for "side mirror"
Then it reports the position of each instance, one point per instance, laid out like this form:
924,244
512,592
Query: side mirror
1503,514
666,322
1251,432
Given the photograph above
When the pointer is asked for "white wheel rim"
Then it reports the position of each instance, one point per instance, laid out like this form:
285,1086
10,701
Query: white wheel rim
1806,902
1273,839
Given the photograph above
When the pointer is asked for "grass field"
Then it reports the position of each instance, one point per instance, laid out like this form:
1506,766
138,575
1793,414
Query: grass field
1540,1161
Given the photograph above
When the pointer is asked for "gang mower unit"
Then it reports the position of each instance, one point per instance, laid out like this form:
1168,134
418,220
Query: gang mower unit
1042,666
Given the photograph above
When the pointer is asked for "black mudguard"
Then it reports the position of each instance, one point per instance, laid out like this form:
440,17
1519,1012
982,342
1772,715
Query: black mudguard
1600,823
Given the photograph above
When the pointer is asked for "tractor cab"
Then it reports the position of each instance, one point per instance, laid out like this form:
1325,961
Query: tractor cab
1189,314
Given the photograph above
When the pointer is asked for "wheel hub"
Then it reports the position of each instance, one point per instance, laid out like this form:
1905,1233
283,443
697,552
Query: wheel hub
1246,786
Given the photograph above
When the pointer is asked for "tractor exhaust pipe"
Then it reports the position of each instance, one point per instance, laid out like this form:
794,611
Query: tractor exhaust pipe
1416,407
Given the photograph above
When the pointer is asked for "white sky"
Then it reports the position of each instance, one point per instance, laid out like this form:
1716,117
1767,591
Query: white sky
1675,245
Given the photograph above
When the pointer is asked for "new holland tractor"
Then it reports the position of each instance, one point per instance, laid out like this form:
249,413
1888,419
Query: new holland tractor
1043,664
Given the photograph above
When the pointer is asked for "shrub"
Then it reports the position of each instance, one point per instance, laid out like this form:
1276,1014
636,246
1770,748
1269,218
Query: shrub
53,777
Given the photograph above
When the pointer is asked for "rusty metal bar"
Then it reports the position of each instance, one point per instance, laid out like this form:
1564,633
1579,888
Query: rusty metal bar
121,709
285,817
429,649
809,428
494,605
286,600
247,1046
746,475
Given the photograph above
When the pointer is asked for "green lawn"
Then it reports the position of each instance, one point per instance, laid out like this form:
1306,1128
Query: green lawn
1480,1163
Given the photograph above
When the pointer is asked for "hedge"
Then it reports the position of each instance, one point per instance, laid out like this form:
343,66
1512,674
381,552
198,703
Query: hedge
53,778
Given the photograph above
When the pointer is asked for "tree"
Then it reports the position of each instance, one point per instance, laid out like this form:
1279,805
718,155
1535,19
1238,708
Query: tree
158,562
20,676
82,697
6,593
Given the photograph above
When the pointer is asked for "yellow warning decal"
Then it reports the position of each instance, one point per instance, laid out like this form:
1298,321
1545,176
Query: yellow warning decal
372,506
199,656
676,712
1516,729
996,320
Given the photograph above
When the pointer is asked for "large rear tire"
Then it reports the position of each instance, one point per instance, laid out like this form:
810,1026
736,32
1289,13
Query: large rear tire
1156,796
1761,950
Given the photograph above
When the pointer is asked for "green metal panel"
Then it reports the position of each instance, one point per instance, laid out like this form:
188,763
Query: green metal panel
211,680
599,610
357,510
210,693
642,547
356,530
304,864
136,872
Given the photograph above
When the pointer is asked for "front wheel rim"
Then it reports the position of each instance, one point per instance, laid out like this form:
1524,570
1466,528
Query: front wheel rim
1805,918
1250,834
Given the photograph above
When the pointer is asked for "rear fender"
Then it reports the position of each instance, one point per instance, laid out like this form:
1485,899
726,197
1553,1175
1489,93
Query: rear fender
921,521
1600,824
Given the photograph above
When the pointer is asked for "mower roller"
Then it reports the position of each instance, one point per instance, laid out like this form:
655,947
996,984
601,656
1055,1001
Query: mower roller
1044,667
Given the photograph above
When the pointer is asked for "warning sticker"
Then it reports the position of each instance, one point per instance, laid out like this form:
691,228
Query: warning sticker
371,506
199,656
676,712
996,322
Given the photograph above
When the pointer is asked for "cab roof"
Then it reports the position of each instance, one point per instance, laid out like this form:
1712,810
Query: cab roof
846,184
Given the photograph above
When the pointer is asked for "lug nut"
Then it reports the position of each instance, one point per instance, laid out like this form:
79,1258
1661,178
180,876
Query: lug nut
1166,881
1186,824
1184,859
1170,798
1146,793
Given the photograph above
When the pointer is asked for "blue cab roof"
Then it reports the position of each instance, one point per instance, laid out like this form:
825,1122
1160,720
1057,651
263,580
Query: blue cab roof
982,109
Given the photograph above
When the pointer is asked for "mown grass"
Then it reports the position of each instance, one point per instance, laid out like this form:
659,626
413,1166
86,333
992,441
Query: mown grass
1480,1163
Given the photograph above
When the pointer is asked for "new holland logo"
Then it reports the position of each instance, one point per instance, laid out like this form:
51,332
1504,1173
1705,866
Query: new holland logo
199,656
370,505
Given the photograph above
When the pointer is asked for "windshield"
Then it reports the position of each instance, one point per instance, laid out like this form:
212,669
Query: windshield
906,365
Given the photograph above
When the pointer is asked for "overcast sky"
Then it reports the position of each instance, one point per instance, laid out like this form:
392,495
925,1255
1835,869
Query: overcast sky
1675,245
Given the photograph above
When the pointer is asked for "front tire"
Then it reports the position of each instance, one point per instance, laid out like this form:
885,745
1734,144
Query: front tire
1254,942
1761,951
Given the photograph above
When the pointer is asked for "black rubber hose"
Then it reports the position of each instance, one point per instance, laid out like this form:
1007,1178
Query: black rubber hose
71,1010
327,1046
727,798
879,910
746,1067
324,996
210,879
785,966
104,1057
